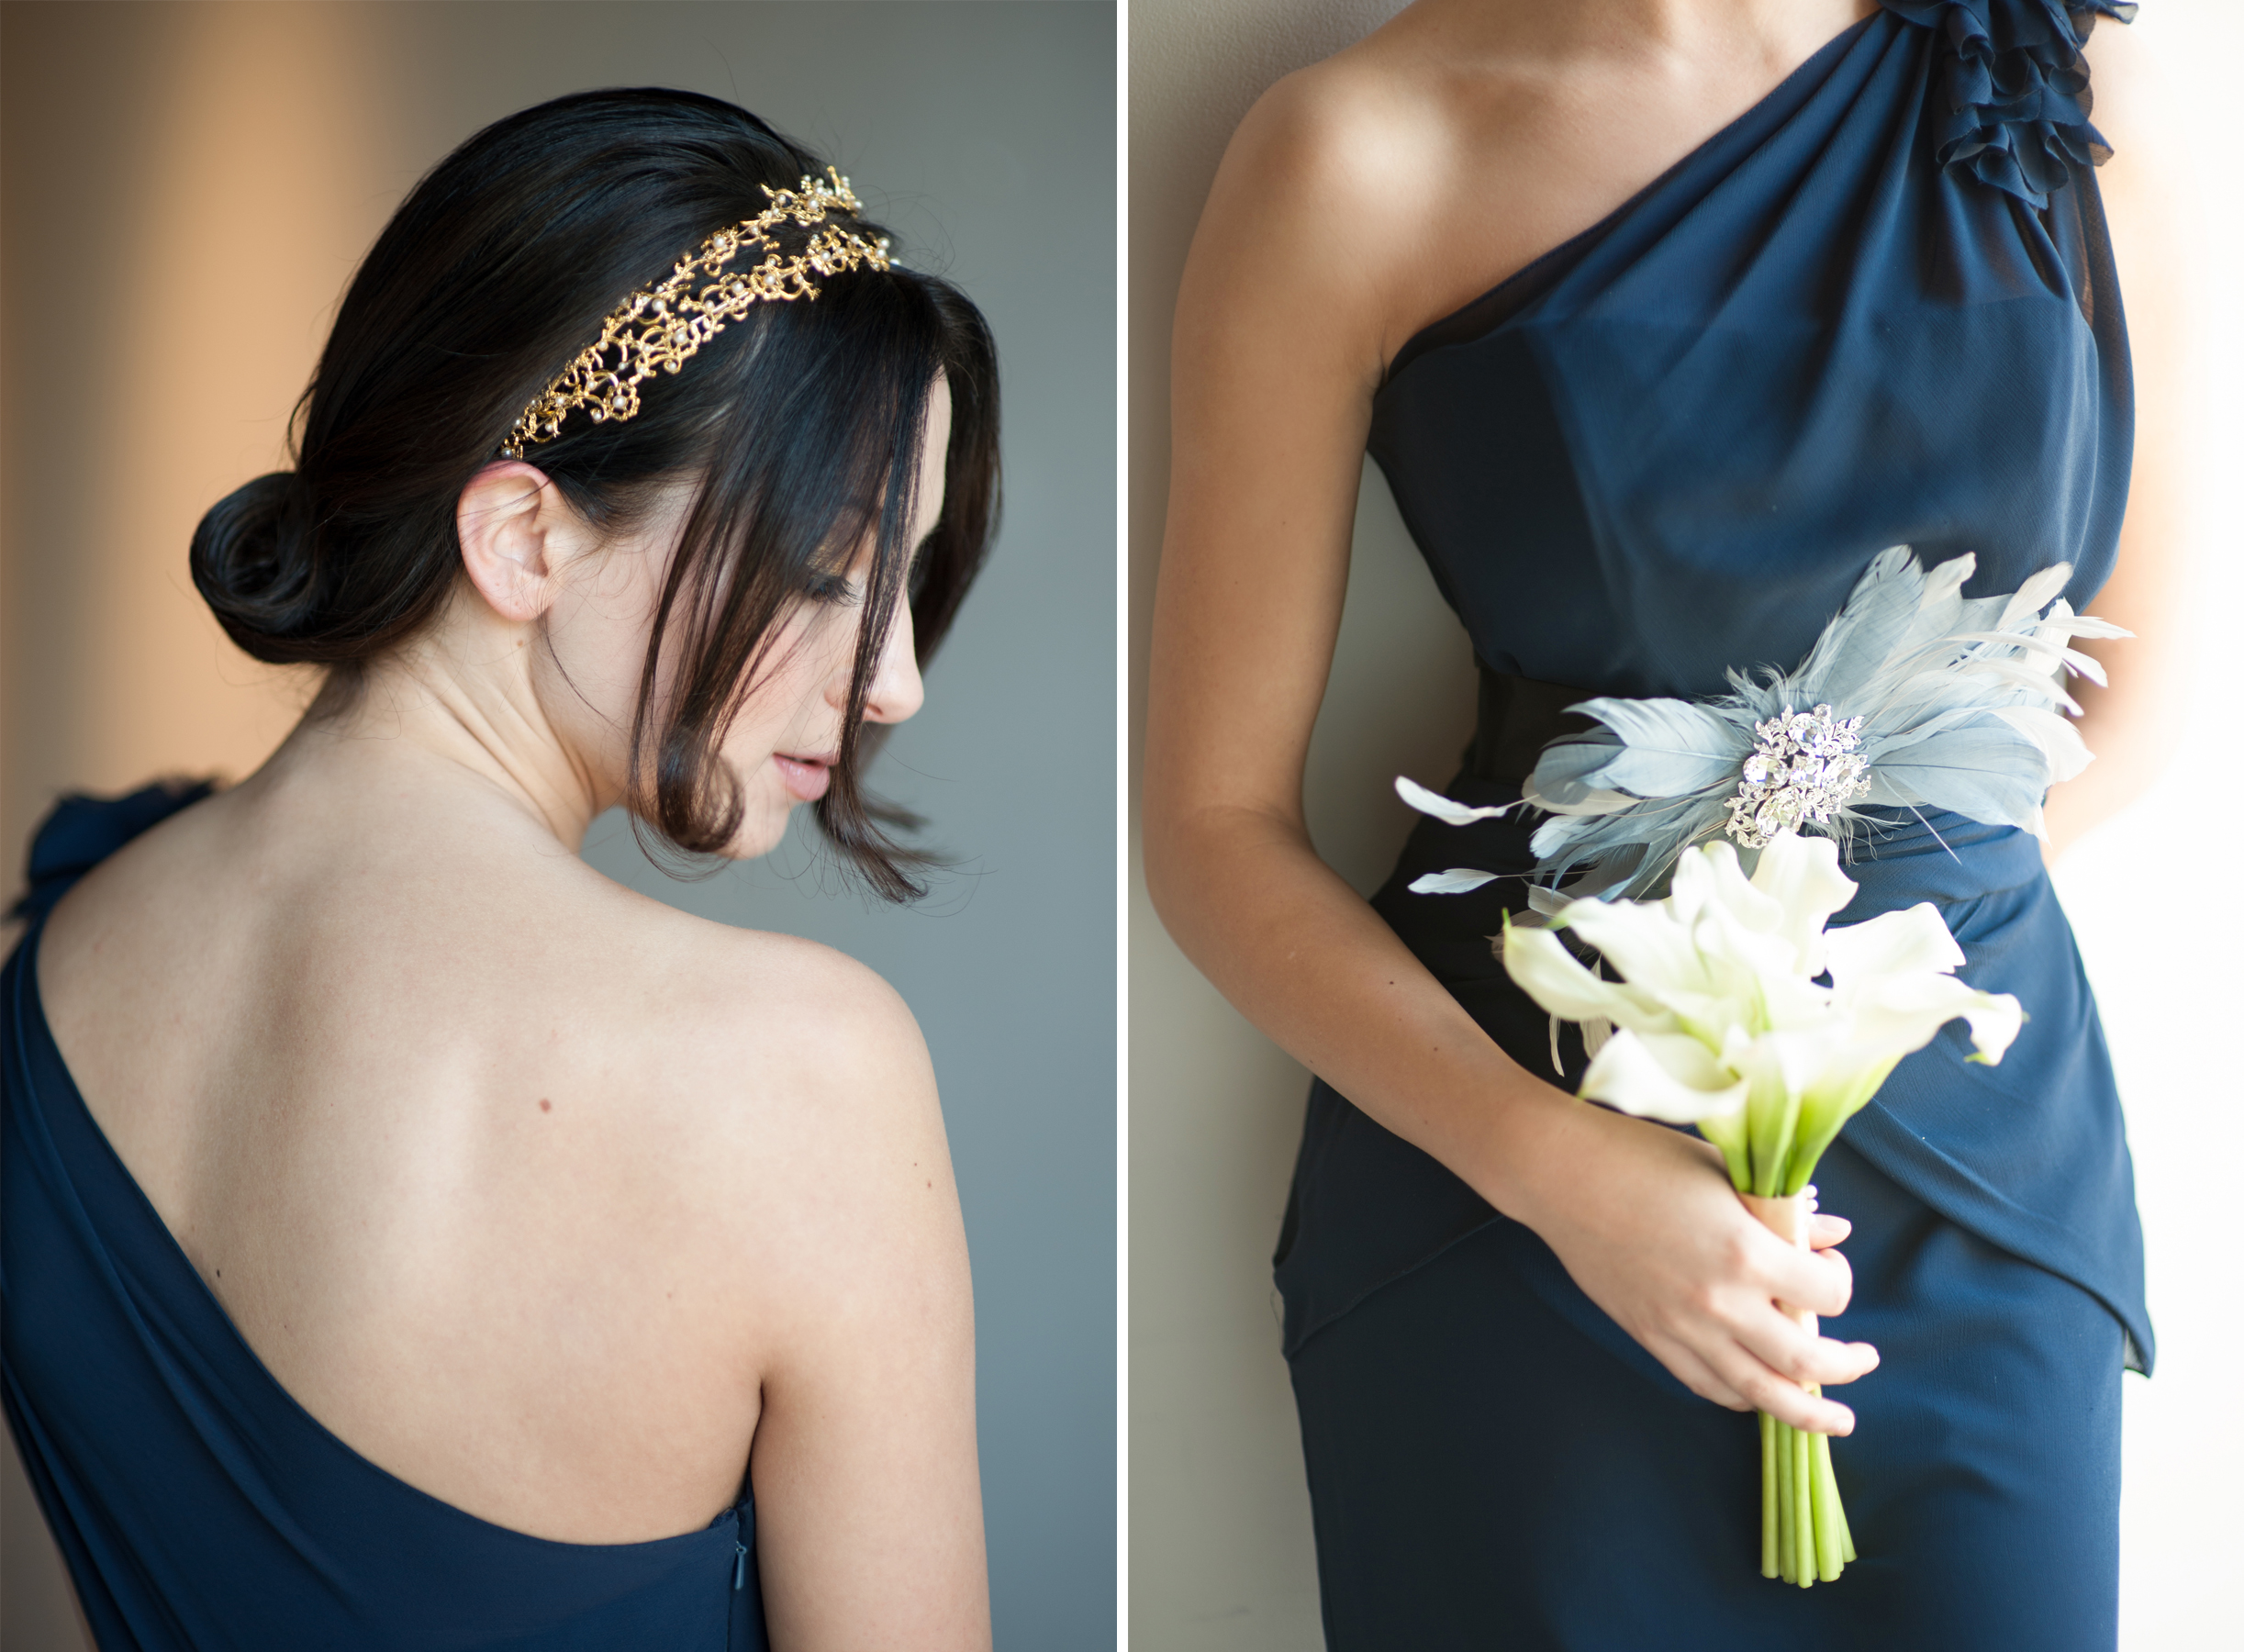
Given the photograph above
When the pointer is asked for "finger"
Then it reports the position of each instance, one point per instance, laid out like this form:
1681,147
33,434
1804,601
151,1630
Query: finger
1782,1399
1827,1231
1694,1373
1819,1281
1832,1258
1797,1356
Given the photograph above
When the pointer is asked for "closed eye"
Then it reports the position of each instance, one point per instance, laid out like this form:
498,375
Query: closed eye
834,589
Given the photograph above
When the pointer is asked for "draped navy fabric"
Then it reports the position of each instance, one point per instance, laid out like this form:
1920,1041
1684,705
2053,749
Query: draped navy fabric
1878,309
196,1504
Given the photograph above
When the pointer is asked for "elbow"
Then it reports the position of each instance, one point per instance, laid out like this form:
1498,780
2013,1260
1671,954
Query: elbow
1162,859
1197,857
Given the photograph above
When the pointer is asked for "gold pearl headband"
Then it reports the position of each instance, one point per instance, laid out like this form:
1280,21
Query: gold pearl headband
659,327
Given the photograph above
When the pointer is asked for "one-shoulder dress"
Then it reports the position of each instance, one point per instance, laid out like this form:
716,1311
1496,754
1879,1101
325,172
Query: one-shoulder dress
196,1504
1878,309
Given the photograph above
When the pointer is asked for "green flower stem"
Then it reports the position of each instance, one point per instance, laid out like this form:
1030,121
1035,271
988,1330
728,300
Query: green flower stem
1788,1518
1804,1538
1829,1561
1804,1502
1839,1508
1768,1495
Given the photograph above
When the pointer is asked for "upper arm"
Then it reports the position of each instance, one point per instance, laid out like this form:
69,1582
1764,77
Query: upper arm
868,1501
1278,344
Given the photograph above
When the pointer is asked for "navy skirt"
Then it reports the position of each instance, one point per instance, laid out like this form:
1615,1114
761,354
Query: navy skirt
1495,1464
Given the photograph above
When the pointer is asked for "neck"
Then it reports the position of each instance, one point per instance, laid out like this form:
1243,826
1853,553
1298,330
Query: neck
441,714
1664,26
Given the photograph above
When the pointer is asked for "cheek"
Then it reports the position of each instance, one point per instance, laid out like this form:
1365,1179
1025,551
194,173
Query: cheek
589,667
787,711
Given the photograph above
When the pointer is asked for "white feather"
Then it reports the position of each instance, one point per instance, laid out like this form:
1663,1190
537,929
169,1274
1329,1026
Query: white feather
1457,880
1447,809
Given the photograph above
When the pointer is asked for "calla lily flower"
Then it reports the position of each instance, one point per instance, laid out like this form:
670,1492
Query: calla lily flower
1723,1015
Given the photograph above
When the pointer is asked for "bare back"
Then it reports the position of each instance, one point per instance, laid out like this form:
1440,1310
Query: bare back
550,1200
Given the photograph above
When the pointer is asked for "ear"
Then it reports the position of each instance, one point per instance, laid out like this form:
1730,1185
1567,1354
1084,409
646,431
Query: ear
514,532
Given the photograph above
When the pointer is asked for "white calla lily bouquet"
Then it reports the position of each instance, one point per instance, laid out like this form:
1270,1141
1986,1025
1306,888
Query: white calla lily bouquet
1738,1011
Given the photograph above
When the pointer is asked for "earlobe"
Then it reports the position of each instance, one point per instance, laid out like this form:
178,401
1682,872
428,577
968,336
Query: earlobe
506,520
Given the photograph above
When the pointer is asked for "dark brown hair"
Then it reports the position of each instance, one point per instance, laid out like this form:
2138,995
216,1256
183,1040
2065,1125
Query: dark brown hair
802,421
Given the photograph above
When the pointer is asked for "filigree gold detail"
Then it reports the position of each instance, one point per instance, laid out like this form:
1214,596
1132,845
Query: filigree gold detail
658,328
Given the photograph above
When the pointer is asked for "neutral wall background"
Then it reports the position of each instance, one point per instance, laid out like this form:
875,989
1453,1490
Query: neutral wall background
186,188
1221,1556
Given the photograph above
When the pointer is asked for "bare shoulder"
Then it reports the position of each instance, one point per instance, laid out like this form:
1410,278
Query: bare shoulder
1360,122
1390,118
775,1023
1390,183
786,1092
1321,204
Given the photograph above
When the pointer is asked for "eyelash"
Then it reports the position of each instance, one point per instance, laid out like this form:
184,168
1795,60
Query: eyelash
838,590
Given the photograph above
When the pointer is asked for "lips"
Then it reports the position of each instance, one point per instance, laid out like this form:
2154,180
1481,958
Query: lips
806,777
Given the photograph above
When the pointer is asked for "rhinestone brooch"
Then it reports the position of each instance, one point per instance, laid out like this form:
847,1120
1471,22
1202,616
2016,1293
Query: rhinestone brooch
1803,767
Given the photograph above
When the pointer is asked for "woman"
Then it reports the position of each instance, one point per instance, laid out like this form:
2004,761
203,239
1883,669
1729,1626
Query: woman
413,1238
1663,318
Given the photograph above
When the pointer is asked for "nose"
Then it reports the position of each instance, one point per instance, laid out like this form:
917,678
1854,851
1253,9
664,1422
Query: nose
895,691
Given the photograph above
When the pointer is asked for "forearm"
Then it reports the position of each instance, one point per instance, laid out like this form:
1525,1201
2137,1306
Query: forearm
1307,960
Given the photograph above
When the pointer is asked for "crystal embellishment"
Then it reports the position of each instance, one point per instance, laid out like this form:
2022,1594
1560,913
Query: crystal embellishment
1803,766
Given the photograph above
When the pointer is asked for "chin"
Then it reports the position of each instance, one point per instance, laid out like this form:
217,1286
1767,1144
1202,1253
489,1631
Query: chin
762,829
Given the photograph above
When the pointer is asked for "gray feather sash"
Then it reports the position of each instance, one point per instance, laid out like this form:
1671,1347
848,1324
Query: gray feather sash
1914,698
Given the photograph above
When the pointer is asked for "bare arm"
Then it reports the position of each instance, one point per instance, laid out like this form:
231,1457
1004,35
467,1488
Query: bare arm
1282,328
868,1498
2146,186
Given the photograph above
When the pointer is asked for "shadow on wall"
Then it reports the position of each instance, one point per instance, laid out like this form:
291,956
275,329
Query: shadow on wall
1220,1552
225,143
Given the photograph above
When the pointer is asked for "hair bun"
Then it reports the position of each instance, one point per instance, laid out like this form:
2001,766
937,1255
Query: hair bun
251,559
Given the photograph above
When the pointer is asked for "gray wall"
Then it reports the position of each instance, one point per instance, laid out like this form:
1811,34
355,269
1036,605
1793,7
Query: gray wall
984,134
1220,1552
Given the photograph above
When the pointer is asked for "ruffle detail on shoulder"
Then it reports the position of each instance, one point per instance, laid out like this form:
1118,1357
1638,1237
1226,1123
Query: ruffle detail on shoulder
2016,88
80,833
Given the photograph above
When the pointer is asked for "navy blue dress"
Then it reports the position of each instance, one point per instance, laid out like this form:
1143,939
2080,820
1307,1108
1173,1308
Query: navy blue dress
1878,309
196,1504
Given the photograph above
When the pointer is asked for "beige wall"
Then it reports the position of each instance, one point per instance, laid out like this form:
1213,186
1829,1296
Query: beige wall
147,375
1221,1559
145,378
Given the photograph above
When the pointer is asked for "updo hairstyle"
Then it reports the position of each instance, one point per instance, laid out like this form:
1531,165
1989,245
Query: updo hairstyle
803,421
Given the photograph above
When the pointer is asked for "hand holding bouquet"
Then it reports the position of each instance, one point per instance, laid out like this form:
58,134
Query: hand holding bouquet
1720,1019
